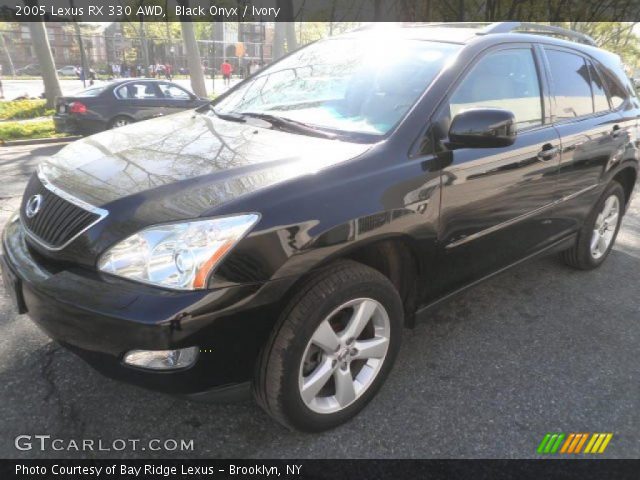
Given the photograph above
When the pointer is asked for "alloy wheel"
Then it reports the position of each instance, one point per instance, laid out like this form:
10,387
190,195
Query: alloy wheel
120,122
605,227
344,356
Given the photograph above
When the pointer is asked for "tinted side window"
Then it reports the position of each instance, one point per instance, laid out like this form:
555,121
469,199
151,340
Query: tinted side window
600,101
617,93
571,84
173,92
505,79
138,91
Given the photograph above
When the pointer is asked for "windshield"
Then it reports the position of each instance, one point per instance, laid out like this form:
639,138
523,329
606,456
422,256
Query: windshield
359,85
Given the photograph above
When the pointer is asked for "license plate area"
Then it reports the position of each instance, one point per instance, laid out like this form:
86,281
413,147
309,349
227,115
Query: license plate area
12,286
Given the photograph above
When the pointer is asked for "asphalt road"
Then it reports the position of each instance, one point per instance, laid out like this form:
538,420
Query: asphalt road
541,348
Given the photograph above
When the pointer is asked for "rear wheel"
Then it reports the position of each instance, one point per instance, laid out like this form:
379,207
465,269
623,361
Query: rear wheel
597,236
120,121
332,348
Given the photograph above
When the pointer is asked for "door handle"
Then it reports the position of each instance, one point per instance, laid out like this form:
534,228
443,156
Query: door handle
548,152
615,133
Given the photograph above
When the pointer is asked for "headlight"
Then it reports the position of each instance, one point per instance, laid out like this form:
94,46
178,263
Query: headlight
180,255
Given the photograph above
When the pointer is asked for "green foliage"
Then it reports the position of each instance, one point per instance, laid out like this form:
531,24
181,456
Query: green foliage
23,109
617,37
25,130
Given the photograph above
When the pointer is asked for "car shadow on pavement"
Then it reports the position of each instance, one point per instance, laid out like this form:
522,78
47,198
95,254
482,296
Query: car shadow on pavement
538,348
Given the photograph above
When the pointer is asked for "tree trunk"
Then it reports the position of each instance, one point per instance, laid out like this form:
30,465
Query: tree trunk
145,47
292,43
193,59
12,69
83,57
286,7
45,59
278,41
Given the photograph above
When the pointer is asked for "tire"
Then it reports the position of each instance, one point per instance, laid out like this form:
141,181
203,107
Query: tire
120,121
581,255
329,300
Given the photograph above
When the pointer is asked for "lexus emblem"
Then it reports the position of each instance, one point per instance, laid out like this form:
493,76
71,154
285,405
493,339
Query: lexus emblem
33,206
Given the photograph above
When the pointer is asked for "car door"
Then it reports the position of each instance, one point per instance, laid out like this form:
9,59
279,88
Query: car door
496,202
175,98
594,133
140,100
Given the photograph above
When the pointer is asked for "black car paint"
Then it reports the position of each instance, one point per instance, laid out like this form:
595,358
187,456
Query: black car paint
102,109
460,215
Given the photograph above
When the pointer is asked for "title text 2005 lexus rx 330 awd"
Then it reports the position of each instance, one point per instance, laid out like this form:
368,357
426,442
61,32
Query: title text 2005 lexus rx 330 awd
284,235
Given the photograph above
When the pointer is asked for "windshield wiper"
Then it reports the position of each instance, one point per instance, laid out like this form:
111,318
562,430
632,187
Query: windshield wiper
232,117
287,124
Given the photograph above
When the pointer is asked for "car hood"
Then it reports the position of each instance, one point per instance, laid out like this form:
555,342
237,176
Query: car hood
190,162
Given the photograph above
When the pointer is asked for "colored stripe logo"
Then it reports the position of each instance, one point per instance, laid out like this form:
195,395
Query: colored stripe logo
574,443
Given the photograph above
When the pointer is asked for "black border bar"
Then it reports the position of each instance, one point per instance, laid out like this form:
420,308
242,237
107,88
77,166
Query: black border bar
320,10
324,469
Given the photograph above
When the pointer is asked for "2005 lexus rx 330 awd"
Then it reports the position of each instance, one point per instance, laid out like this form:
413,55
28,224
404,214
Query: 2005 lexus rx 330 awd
284,235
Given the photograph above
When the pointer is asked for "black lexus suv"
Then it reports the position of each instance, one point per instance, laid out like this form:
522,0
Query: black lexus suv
281,237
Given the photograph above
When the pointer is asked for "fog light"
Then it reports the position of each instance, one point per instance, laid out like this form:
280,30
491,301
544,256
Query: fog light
162,359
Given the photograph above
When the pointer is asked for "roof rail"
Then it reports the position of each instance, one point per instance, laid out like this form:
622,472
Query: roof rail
536,28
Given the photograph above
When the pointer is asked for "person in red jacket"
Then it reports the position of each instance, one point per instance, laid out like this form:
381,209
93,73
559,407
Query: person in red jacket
226,70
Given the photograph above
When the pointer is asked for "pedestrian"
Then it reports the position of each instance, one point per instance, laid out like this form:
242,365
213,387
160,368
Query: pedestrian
226,70
167,72
92,76
253,67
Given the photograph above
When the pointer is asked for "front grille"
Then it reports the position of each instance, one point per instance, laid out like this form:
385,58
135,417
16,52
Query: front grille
58,221
366,224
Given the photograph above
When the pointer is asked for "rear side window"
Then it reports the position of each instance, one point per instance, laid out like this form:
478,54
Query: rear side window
571,83
600,101
506,79
138,91
617,93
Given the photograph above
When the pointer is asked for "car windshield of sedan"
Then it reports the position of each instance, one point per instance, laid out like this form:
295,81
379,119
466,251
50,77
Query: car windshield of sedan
351,85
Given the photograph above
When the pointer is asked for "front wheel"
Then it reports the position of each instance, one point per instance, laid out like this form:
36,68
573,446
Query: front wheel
332,349
599,232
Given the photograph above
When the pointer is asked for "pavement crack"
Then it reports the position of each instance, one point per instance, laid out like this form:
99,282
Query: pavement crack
47,374
66,413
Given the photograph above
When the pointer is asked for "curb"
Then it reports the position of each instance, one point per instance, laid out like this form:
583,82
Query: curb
38,141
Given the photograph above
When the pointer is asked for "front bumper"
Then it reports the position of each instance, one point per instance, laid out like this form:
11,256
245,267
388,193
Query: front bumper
100,318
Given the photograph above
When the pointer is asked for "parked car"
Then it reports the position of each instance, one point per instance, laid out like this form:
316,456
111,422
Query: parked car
119,103
69,71
282,237
31,69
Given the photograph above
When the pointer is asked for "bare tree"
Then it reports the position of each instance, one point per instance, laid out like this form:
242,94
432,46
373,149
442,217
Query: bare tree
193,54
290,29
45,59
286,7
278,40
12,70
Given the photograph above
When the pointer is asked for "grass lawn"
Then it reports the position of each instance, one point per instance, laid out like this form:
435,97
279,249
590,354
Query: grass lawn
28,130
23,109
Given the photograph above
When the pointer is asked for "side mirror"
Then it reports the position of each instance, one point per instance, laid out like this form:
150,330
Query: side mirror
483,128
